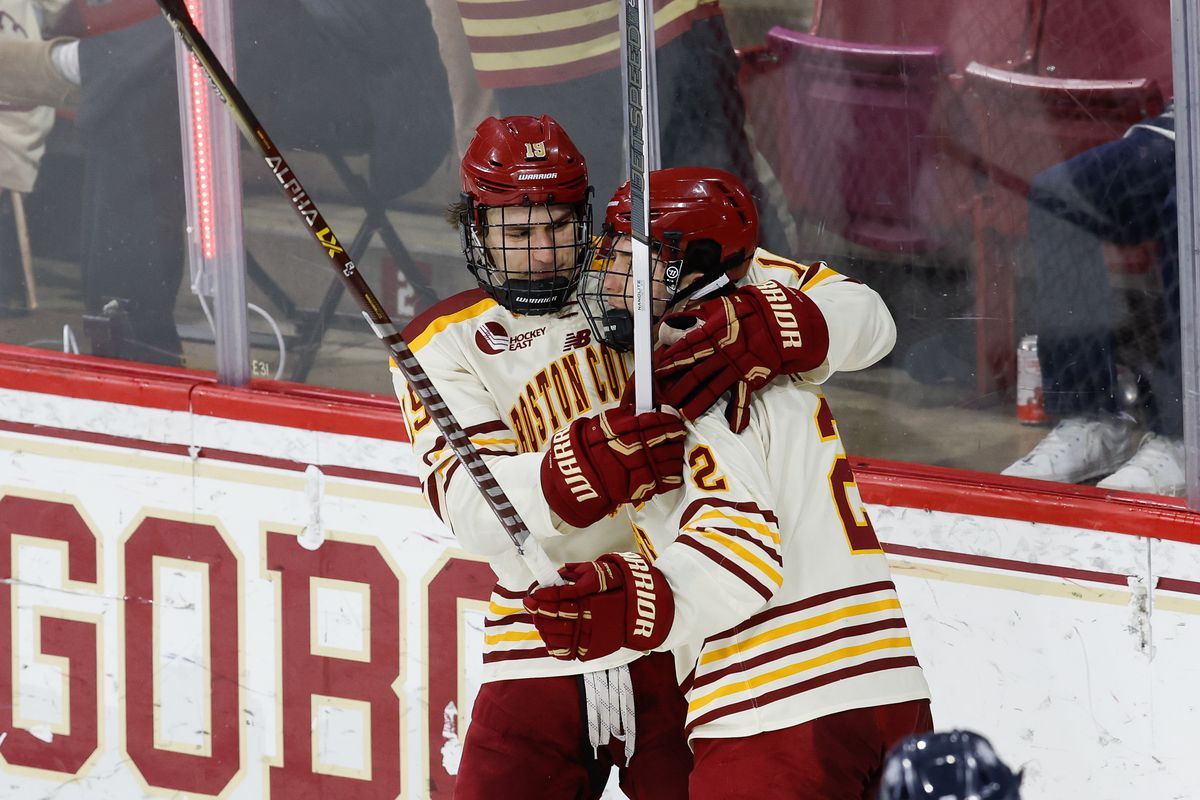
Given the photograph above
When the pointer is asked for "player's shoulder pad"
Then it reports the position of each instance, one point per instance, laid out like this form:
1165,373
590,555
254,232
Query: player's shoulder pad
459,308
768,266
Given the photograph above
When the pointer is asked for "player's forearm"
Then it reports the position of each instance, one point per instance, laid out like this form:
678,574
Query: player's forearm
708,598
472,520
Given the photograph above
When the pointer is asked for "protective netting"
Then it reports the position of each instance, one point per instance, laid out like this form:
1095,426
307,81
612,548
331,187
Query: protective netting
971,160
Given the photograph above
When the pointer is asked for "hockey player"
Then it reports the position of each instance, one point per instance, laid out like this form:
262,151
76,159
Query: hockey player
764,572
957,765
516,361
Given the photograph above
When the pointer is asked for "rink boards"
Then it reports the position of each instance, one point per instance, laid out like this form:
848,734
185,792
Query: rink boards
242,594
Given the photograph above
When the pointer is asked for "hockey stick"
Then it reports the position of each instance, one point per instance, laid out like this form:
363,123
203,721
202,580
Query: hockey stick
535,558
638,19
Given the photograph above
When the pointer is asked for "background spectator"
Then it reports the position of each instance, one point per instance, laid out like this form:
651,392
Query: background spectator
1121,192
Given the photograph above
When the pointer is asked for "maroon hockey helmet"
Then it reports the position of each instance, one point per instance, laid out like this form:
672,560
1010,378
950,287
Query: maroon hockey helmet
523,160
526,257
702,221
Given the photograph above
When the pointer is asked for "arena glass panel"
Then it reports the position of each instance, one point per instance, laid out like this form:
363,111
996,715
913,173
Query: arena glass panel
1004,175
919,148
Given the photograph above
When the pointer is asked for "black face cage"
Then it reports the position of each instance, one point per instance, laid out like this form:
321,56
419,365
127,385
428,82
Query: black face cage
507,269
606,288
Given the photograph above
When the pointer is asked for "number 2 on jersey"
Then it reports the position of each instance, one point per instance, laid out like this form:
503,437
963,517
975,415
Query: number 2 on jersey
860,533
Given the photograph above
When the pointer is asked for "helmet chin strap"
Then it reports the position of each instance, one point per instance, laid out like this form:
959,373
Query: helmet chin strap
699,291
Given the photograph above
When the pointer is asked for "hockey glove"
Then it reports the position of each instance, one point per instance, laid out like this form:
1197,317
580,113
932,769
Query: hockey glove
743,342
618,600
597,463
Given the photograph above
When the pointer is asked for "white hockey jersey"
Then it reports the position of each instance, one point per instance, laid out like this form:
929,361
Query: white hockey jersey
785,609
512,380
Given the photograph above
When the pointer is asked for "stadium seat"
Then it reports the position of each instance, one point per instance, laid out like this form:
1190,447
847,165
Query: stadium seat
997,32
1026,124
848,129
1106,40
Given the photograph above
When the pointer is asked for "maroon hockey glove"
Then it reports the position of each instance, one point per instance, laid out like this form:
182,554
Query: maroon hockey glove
743,342
618,600
597,463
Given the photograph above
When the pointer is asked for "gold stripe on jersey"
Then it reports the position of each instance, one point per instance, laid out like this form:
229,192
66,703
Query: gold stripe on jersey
504,611
740,521
567,53
511,636
744,556
441,323
844,654
480,442
809,623
824,274
645,546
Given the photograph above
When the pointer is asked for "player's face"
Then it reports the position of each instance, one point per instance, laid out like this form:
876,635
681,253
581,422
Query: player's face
534,242
618,278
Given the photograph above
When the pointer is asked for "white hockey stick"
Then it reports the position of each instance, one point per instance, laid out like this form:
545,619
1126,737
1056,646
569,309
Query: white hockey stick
637,18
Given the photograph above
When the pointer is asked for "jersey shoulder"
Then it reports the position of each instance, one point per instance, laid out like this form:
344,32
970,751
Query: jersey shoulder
767,266
447,314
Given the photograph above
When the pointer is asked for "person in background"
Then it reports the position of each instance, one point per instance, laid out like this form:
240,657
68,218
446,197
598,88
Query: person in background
567,64
24,125
352,91
1121,192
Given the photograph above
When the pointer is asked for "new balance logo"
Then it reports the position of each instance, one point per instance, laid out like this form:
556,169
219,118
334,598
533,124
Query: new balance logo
578,339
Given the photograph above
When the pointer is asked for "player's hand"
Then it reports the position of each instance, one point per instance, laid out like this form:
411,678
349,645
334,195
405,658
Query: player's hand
618,456
618,600
743,342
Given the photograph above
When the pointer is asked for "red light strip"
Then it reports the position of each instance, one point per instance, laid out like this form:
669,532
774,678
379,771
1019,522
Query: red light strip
201,143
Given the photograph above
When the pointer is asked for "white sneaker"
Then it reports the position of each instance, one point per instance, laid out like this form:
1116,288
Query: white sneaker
1078,448
1156,468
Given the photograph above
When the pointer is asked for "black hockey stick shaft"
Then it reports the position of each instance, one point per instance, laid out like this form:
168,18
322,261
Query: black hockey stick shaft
177,14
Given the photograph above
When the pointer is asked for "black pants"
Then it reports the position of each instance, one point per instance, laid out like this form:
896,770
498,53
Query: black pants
1122,192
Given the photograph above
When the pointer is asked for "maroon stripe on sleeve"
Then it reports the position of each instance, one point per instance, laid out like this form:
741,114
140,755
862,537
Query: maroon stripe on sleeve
515,655
746,508
725,564
543,40
511,619
430,488
558,73
737,533
520,9
490,426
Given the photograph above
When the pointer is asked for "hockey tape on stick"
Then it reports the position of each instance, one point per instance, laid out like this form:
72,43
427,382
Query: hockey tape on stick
535,558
